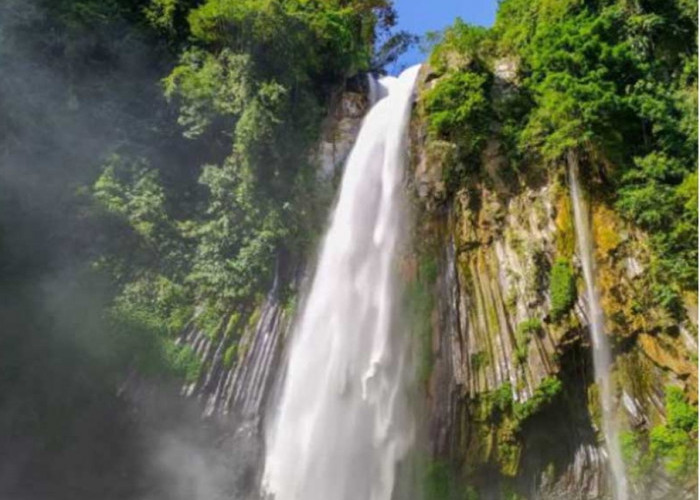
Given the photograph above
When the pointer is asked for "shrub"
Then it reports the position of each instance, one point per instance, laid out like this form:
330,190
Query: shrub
562,288
457,109
182,360
523,334
674,443
230,355
466,40
544,394
635,453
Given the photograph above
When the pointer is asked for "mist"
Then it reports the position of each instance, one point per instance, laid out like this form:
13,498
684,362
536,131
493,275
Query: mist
71,426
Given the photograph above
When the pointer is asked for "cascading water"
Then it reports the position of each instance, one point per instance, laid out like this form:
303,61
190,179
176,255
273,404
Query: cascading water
602,358
342,423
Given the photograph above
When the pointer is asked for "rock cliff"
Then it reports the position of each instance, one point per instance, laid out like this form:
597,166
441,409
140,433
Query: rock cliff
512,400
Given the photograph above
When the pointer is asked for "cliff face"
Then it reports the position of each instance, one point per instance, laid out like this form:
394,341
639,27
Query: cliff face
513,403
243,358
497,304
240,360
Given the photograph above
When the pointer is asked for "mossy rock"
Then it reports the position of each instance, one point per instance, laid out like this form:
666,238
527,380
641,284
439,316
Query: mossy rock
565,237
606,231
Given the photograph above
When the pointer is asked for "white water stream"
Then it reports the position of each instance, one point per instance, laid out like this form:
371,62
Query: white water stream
602,357
342,422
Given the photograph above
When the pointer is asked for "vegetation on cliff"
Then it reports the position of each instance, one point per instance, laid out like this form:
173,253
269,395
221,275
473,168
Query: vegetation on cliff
612,86
613,83
155,171
253,80
190,182
670,445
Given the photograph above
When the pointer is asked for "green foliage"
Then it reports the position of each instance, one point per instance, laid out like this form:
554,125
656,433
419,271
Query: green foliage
680,414
478,360
316,40
575,68
546,392
251,83
502,398
503,417
142,340
470,493
458,111
183,361
441,482
230,355
131,192
675,442
638,461
661,196
461,41
458,104
614,83
562,288
523,334
529,327
256,77
210,87
672,445
437,481
501,403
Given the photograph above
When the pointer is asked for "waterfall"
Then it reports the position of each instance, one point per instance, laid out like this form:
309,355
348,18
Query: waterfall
342,422
602,357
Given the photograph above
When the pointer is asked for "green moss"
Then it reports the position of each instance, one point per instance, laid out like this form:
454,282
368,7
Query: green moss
635,453
290,304
593,405
183,360
254,318
497,420
566,233
549,388
508,455
508,492
210,319
420,302
232,324
478,360
562,288
428,269
470,493
499,404
438,481
529,327
496,404
523,335
230,355
511,300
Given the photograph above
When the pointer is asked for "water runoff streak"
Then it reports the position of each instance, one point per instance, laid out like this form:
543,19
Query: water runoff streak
342,422
602,358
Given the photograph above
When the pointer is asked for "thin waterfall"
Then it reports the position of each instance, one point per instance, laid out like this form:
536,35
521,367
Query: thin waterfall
602,358
342,423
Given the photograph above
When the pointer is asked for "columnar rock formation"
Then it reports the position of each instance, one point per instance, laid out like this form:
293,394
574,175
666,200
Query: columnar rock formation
512,397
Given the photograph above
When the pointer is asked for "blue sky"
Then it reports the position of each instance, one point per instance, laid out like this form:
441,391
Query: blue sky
419,16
